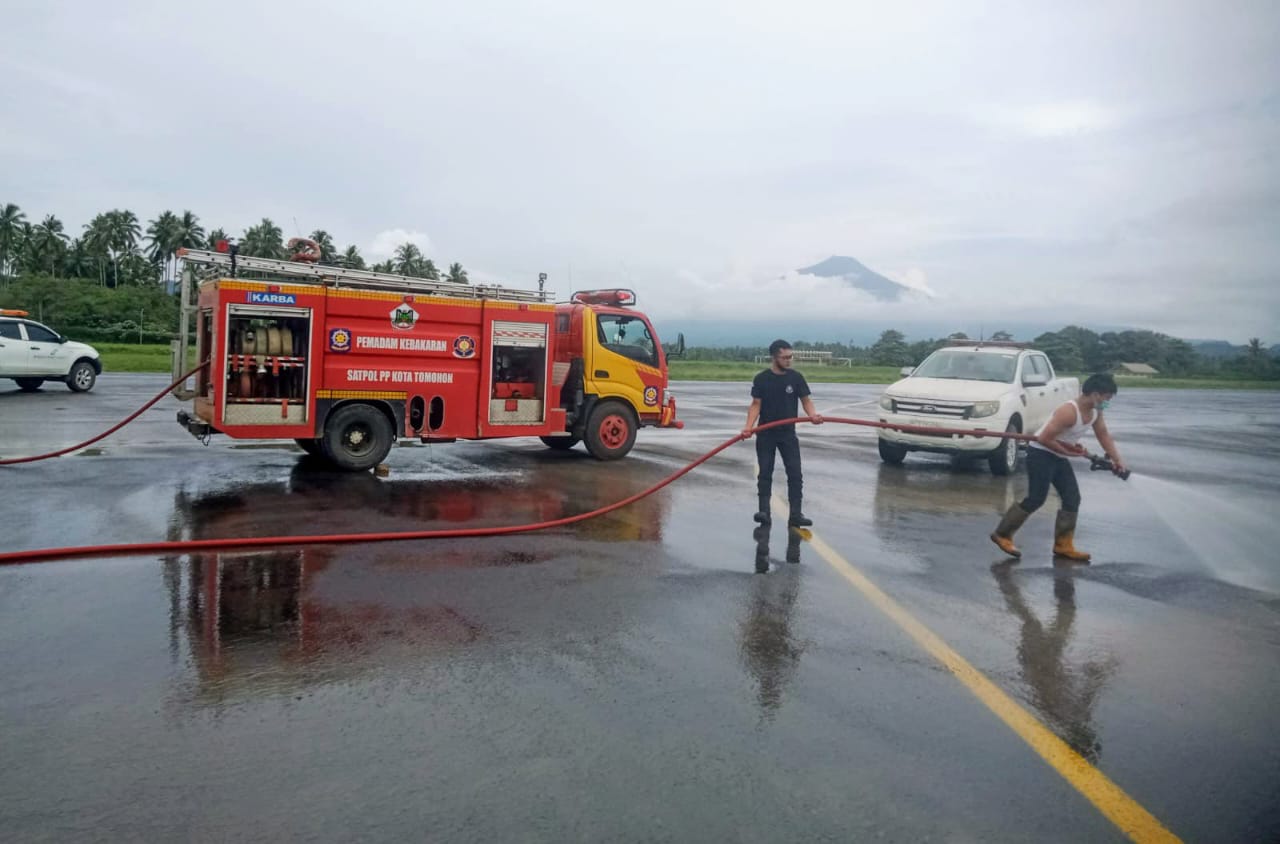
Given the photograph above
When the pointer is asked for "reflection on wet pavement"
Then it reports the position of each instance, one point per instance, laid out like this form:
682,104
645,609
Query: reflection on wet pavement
770,651
1063,693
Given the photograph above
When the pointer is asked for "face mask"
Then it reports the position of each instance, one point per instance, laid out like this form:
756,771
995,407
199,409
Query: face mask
1104,404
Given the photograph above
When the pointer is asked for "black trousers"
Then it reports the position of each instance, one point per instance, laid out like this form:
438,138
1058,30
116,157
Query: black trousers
1045,468
769,444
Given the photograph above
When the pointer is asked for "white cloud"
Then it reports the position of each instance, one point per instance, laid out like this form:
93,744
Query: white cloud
1051,119
385,243
915,279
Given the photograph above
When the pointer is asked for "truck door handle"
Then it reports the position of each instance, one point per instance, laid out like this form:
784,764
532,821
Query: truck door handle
600,373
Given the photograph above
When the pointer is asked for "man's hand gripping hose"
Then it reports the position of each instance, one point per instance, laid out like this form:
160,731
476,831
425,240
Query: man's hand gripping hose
253,543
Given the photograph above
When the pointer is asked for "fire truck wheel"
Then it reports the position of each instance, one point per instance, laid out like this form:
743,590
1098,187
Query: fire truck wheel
311,447
611,430
560,443
356,437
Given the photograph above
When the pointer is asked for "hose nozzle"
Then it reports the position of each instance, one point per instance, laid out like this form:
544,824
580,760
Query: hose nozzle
1099,463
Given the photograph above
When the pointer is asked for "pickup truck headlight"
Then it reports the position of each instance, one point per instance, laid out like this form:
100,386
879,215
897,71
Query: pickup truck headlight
985,408
886,402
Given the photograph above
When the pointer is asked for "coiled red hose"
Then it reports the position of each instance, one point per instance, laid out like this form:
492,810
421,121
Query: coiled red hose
246,543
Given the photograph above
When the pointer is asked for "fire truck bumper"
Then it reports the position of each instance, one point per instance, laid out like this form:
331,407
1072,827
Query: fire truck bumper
198,428
668,419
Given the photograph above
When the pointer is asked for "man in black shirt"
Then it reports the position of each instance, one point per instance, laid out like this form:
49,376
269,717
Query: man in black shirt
774,394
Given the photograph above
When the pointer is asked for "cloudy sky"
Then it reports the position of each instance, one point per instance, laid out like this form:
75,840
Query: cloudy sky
1105,162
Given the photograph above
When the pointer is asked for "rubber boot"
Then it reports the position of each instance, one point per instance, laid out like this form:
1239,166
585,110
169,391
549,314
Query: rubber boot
1064,529
798,519
1003,534
763,514
761,536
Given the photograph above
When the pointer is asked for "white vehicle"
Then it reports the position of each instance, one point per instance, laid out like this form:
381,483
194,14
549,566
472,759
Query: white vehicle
31,353
969,385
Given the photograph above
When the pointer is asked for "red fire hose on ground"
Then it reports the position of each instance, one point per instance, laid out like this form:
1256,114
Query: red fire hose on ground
250,543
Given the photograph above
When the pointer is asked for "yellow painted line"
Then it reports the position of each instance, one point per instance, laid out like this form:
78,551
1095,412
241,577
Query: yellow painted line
1111,800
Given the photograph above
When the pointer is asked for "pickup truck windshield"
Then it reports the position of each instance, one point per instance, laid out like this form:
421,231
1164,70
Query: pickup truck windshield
969,366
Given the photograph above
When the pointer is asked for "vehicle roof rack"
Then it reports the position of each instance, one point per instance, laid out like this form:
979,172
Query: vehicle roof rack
1003,344
359,279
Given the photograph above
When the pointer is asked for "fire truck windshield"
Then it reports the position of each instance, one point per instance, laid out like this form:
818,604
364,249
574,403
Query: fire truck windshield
628,336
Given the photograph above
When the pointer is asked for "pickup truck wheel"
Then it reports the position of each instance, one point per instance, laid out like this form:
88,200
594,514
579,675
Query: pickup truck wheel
356,437
892,453
560,443
82,377
1005,459
611,430
29,385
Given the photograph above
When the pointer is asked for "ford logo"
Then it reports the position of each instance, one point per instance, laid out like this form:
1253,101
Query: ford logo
928,408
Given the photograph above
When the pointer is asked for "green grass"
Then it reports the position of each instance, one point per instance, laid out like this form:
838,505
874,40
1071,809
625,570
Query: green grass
717,370
131,357
1204,383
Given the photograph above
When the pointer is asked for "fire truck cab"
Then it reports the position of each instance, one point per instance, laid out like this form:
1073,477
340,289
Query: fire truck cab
347,362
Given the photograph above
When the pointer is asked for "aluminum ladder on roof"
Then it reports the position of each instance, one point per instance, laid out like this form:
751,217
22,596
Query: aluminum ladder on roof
363,279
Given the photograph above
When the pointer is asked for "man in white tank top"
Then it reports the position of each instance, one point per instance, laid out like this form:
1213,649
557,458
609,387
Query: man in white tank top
1049,464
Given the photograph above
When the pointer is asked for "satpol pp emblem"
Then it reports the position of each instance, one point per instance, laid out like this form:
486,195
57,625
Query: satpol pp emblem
339,340
404,317
464,346
651,396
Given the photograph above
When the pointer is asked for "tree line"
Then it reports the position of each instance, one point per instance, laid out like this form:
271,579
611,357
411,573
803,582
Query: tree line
1072,349
116,250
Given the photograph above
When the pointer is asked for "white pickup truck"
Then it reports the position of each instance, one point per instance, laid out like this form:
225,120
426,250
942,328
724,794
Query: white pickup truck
31,353
969,385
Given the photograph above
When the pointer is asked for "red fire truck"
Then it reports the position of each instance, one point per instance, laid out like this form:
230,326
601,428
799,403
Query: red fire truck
346,362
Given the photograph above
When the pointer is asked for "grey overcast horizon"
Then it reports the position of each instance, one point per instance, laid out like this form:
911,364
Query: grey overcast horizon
1096,162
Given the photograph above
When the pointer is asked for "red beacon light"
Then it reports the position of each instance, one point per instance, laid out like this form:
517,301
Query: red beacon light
617,296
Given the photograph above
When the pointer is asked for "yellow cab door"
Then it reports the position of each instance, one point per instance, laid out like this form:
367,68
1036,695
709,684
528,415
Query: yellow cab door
623,360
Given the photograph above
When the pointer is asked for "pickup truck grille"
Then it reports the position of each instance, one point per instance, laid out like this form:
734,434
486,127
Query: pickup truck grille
923,407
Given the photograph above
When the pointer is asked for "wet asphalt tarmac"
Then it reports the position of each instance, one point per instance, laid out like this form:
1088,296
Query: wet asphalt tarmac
631,678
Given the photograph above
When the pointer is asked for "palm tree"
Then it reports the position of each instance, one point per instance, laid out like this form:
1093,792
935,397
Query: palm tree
122,231
95,242
351,259
383,267
328,252
162,233
408,259
80,261
1254,349
11,222
47,244
265,240
211,242
190,232
458,274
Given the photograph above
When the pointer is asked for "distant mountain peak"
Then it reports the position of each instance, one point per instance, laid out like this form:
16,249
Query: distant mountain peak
859,276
